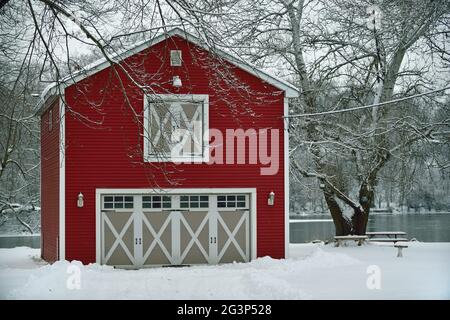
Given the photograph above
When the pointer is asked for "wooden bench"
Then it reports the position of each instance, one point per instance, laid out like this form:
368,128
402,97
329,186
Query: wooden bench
340,239
387,236
400,246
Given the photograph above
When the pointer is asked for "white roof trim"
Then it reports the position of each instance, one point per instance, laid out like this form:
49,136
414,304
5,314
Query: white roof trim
290,90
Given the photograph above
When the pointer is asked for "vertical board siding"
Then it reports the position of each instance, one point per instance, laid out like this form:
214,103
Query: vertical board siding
50,183
104,144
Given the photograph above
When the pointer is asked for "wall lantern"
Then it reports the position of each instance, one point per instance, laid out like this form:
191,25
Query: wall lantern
271,198
80,201
176,82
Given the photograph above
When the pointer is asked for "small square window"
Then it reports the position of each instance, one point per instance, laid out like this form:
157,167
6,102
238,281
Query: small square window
175,58
184,204
108,205
194,204
146,205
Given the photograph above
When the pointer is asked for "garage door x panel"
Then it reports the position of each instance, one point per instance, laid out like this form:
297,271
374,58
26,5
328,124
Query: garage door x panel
232,236
118,238
157,238
194,237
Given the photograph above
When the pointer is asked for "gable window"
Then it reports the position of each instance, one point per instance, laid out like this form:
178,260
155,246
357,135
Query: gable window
175,58
175,128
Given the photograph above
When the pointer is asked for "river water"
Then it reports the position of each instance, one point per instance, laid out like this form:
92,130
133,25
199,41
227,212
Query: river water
424,227
433,227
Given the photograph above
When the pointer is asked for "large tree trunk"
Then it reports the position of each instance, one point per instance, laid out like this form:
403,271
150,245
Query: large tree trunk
361,214
341,223
359,221
357,225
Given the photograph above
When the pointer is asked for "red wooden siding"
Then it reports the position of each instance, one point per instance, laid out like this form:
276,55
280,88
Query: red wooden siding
104,148
50,184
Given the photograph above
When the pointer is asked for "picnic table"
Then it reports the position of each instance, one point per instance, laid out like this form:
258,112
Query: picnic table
387,236
340,239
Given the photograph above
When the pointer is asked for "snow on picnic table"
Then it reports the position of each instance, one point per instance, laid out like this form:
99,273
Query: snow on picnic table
313,271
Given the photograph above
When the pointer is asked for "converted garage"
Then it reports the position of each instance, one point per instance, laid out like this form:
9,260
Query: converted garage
112,192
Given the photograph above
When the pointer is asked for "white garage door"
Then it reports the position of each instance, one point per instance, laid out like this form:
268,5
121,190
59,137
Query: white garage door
187,229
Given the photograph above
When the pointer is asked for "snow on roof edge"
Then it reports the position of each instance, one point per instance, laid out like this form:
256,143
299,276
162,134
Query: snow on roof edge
100,64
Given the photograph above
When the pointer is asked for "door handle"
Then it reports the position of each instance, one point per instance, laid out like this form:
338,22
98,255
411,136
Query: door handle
213,240
140,240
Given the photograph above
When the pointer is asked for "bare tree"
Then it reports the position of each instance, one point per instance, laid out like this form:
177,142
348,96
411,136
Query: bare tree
19,130
344,55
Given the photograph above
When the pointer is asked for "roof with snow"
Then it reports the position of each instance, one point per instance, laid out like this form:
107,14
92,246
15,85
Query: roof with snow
51,90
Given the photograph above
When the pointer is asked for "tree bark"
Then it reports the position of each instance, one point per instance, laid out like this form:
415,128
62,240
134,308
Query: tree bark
342,225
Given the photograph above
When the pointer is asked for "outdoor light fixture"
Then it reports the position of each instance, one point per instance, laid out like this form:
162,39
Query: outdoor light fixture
271,198
80,201
176,81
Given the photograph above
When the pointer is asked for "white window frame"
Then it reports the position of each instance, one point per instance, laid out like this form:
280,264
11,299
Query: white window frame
162,208
179,55
123,209
234,208
200,98
199,208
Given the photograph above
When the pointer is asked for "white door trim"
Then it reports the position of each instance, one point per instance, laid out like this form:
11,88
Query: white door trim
102,191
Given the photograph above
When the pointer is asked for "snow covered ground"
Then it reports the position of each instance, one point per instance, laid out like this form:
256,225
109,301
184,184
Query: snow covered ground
313,271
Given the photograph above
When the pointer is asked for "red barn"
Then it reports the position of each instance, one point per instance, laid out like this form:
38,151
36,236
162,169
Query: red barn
167,154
